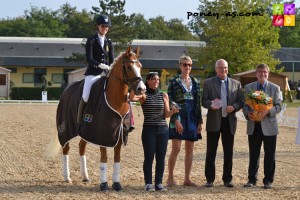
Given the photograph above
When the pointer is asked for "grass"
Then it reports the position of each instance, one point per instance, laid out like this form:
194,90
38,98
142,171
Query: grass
295,103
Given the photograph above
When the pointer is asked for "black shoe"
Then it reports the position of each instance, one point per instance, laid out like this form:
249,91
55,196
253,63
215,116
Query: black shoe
117,186
249,185
268,185
209,184
104,187
228,184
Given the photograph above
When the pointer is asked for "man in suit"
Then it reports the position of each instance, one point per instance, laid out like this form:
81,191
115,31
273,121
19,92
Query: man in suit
264,131
222,105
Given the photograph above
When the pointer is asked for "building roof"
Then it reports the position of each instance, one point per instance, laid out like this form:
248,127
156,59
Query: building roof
4,69
252,73
29,51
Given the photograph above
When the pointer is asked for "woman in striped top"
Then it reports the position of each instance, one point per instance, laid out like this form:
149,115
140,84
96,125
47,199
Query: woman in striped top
155,134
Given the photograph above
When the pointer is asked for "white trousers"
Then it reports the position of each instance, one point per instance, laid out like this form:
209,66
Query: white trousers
88,82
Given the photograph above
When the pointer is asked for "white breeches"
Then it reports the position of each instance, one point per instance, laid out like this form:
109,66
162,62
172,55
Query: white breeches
88,82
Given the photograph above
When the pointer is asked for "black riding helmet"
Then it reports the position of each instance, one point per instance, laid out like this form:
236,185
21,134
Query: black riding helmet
103,19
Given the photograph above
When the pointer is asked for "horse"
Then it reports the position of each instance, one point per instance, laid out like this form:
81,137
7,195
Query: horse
124,76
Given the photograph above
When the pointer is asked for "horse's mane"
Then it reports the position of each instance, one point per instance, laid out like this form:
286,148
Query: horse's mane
117,59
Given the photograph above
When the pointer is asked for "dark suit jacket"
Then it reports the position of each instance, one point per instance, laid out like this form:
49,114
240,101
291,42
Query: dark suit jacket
212,91
269,123
95,54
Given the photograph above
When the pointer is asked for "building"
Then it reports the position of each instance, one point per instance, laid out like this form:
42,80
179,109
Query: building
31,58
250,76
4,83
161,56
290,60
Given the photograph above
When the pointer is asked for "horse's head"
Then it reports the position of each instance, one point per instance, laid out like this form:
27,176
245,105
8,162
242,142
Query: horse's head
132,71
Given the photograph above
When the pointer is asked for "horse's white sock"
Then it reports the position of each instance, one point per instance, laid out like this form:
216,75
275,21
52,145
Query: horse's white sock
116,172
66,171
83,168
103,177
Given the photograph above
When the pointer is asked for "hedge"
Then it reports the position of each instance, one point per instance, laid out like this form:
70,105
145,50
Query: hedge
26,93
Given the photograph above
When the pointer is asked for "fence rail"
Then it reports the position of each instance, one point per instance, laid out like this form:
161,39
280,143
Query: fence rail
28,102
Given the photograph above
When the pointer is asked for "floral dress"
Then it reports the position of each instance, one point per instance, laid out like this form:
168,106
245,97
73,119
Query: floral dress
188,99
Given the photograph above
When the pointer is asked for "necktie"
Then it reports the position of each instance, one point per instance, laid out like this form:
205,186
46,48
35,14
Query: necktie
261,88
223,98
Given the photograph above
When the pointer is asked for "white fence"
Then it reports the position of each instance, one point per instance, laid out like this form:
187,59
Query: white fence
28,102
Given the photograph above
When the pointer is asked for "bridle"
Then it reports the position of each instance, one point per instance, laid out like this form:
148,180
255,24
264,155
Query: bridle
132,82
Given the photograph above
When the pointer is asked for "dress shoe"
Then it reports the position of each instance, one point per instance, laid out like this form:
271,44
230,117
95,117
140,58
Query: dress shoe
268,185
117,186
228,184
209,184
104,187
249,185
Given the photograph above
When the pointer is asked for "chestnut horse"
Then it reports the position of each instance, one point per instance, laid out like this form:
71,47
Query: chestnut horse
125,75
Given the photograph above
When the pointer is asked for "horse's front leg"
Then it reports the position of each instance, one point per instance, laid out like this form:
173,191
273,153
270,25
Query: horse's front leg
116,169
83,167
103,169
65,161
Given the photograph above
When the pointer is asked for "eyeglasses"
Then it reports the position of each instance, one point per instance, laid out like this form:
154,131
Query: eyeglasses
262,71
153,73
186,64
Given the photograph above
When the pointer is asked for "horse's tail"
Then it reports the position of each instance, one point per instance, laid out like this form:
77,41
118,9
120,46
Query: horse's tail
54,146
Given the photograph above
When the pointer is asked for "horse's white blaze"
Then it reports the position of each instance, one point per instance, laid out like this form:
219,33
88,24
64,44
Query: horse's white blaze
83,169
137,71
66,170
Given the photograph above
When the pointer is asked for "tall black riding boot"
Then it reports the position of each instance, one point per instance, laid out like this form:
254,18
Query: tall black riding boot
81,107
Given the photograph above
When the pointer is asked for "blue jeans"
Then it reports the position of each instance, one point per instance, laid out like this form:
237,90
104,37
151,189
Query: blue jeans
155,142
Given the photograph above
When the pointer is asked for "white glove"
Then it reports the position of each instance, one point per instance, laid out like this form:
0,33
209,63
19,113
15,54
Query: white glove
104,66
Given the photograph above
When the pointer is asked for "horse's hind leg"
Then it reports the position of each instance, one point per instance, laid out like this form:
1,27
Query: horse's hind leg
116,168
83,167
65,161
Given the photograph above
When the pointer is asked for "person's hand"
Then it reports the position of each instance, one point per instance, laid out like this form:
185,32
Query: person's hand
229,109
104,66
199,129
174,109
250,116
179,127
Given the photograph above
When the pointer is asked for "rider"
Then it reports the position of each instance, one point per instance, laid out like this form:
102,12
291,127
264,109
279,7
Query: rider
100,55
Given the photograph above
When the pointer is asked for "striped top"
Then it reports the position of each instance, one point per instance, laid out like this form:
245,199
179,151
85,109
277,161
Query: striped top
154,109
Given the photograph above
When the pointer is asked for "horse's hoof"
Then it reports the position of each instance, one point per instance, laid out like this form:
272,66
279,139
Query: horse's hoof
104,187
117,187
86,180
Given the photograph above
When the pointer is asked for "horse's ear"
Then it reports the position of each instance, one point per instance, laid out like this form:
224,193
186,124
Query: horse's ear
137,51
128,50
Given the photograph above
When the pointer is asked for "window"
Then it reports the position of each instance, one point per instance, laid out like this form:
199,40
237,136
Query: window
28,78
57,78
38,73
2,79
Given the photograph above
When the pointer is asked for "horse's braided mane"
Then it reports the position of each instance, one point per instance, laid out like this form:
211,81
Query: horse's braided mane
116,60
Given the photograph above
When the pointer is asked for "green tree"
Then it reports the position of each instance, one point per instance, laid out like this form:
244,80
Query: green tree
244,41
79,24
121,32
44,23
13,27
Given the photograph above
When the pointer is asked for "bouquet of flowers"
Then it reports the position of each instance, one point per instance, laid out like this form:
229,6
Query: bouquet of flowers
259,101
